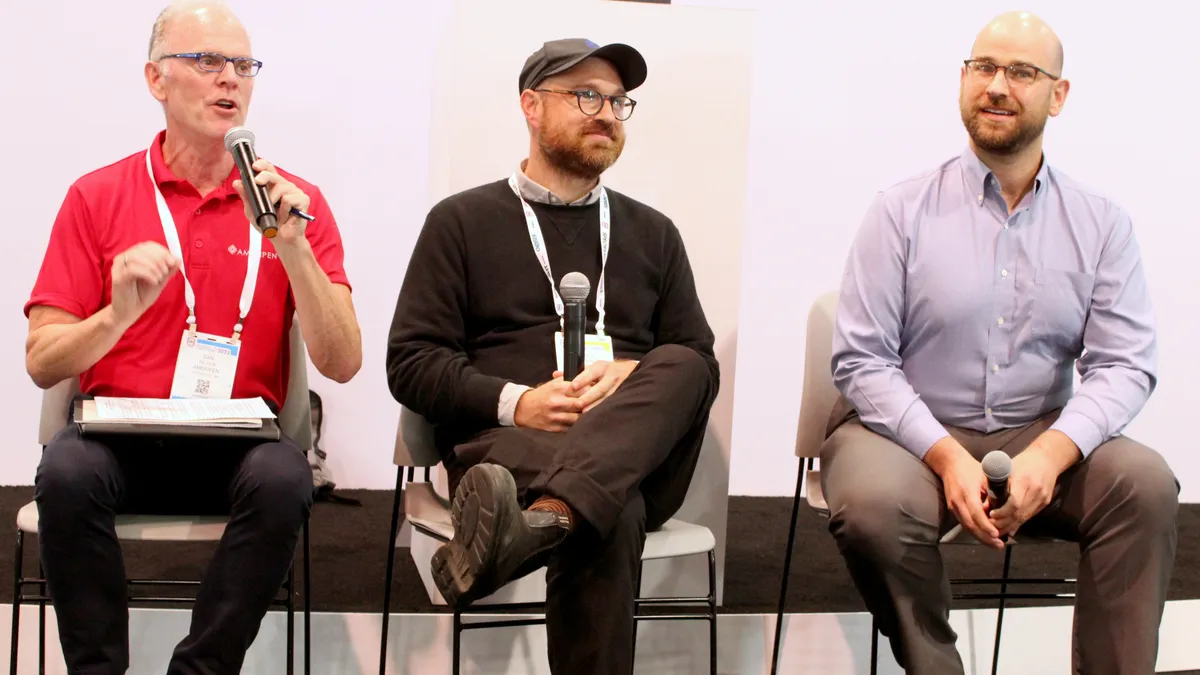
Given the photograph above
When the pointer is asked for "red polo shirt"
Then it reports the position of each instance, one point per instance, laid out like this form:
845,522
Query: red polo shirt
111,209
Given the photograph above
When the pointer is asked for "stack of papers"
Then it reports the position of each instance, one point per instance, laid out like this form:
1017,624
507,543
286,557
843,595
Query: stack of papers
246,413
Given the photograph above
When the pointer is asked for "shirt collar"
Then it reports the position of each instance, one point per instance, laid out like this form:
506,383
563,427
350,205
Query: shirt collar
164,176
531,191
979,176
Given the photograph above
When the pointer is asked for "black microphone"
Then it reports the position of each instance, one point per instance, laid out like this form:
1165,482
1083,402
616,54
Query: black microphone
997,466
574,289
239,141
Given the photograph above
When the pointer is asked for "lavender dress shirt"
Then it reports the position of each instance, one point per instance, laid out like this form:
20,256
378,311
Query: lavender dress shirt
954,311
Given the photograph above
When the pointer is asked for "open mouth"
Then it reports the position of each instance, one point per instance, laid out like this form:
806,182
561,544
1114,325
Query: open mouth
999,112
226,104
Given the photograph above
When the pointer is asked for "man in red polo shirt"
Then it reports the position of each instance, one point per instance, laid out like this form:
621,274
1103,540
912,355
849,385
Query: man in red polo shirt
143,252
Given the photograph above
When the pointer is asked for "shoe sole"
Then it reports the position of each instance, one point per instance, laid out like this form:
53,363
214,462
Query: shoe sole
484,505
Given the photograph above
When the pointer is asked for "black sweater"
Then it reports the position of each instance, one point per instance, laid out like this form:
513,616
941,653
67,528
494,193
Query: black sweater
476,311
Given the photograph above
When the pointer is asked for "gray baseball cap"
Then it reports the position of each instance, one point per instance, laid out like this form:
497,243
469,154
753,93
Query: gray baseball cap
557,56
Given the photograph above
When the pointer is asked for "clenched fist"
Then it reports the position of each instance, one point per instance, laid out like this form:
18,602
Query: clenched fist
139,275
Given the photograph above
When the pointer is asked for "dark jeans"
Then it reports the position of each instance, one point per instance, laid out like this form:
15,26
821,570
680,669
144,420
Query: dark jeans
83,483
625,468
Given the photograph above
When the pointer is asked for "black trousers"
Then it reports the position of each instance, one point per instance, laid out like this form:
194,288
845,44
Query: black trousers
625,468
83,483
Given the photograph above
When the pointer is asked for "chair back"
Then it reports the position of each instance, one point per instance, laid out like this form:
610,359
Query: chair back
819,394
56,409
414,441
295,418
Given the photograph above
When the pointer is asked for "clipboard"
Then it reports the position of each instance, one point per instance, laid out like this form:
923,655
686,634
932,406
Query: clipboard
268,431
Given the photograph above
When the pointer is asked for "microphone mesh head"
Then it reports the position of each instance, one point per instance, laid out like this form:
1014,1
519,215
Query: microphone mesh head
997,465
236,135
574,286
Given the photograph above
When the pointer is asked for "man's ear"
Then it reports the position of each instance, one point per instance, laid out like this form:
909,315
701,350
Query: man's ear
531,107
155,81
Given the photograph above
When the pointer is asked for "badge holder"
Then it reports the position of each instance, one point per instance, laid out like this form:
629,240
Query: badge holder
206,364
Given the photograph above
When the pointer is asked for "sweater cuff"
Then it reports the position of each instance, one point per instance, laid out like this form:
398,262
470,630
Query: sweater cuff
479,397
1080,429
507,408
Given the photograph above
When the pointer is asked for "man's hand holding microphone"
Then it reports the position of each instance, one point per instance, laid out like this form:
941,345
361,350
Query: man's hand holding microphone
556,405
992,499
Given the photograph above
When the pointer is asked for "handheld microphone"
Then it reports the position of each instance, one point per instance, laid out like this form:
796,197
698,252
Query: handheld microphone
239,141
574,289
997,466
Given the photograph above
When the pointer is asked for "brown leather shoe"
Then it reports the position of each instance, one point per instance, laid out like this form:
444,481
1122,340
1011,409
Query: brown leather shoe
495,541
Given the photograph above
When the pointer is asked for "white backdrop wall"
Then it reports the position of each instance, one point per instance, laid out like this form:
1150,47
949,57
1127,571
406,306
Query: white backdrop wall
846,99
850,98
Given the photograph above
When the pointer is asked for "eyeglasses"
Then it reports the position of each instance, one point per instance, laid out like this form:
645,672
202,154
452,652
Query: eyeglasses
592,102
1017,74
215,63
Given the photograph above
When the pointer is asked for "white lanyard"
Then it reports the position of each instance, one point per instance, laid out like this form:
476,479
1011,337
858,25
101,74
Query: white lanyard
172,235
539,249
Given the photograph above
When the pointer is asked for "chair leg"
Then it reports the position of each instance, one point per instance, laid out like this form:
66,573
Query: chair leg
291,620
307,603
874,646
637,593
43,591
712,612
387,575
16,615
1000,613
787,569
454,668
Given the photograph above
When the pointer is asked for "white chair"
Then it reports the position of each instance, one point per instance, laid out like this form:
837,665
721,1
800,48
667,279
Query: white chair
428,512
294,422
818,398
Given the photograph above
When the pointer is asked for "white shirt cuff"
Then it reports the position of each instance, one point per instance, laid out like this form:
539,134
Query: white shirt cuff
509,395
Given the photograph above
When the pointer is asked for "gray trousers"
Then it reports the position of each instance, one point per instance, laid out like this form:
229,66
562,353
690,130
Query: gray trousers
887,512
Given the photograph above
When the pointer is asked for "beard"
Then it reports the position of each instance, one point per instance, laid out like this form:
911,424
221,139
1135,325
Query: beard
572,152
1007,140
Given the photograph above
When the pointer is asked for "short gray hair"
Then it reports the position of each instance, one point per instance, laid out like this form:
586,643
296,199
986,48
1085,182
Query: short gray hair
158,41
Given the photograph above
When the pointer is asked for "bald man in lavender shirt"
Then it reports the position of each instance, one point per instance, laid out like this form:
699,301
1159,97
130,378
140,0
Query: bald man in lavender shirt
969,295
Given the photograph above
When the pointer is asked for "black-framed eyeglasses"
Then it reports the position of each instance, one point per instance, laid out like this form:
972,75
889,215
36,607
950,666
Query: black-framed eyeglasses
215,63
1017,74
592,102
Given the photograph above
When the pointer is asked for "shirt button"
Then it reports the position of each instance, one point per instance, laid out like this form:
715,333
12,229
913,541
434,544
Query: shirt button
1000,321
199,244
200,210
1006,226
988,412
995,368
1003,273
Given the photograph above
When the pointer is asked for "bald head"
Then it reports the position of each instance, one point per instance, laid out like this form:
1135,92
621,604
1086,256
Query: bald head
1023,33
188,13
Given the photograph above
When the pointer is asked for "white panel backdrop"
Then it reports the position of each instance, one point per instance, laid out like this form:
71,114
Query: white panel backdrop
850,98
846,99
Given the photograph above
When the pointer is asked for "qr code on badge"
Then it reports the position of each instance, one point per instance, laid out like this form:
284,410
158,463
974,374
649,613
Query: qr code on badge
202,387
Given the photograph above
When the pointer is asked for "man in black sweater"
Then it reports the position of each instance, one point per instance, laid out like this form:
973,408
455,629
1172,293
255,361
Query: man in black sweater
567,474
